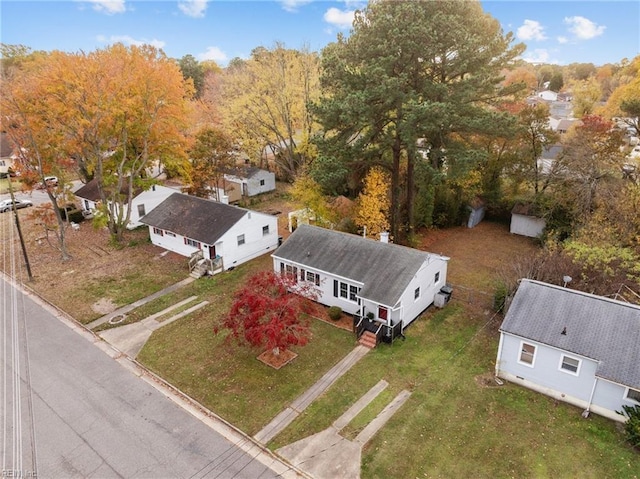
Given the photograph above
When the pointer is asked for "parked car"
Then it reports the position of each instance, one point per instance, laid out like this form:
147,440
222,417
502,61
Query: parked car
6,205
48,181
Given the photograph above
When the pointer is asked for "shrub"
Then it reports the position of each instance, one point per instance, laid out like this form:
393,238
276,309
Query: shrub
335,313
500,297
632,426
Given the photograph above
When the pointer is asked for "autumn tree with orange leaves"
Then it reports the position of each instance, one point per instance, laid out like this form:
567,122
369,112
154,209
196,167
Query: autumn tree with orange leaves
115,112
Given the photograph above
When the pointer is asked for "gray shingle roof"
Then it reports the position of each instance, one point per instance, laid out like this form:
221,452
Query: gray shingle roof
384,269
599,328
193,217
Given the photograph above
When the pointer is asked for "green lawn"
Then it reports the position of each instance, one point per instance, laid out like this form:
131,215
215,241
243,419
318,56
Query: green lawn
452,426
223,376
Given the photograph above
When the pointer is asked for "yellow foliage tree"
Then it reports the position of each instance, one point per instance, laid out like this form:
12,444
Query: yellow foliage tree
308,193
264,101
373,204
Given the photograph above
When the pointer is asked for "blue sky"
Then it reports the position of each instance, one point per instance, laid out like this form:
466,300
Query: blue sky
604,31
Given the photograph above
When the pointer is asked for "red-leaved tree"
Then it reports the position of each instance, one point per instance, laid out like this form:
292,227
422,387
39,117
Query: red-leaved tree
267,314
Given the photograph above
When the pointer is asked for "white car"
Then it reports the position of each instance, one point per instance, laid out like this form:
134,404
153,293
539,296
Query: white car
6,205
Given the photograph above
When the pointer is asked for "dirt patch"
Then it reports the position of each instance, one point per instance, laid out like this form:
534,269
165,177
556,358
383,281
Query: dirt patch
79,285
277,361
104,306
488,380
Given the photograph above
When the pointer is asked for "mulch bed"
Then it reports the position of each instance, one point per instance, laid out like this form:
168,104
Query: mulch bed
276,361
321,312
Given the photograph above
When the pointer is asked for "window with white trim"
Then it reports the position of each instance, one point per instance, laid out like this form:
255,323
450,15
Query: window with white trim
240,240
569,364
261,182
313,278
353,293
291,271
265,230
194,243
436,278
157,231
633,395
169,233
416,294
527,354
141,210
344,290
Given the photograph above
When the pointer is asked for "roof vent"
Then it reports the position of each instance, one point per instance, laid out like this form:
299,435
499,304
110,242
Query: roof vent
564,331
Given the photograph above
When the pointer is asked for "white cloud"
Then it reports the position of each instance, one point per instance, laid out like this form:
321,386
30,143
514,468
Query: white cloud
108,6
213,53
292,5
129,40
339,18
531,30
563,40
583,28
193,8
539,55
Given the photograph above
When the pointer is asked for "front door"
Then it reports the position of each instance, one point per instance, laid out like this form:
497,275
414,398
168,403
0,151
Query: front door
212,251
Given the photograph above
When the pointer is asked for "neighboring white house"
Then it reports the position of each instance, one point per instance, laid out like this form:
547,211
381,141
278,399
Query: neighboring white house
142,203
7,156
250,180
573,346
225,234
387,283
525,223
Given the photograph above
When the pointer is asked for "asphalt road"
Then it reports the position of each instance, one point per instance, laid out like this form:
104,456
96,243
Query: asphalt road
75,411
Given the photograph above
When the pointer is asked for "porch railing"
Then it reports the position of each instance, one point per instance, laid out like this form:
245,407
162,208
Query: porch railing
194,258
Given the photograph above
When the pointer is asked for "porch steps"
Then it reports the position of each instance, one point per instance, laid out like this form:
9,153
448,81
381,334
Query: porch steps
368,340
199,269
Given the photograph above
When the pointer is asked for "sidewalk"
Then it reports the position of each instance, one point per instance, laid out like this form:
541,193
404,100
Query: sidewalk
286,417
140,302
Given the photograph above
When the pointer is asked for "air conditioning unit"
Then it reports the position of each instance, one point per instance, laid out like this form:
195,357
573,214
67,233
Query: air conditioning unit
440,300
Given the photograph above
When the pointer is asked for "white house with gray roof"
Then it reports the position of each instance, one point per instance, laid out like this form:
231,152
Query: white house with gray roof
391,284
573,346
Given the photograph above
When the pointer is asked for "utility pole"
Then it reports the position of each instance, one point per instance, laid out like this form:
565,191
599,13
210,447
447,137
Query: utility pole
24,249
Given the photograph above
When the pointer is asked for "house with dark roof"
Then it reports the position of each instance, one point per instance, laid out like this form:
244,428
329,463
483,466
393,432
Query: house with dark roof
223,235
576,347
142,202
384,285
247,181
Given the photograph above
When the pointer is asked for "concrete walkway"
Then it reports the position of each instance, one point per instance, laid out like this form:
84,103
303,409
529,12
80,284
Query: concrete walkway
328,455
286,417
140,302
130,338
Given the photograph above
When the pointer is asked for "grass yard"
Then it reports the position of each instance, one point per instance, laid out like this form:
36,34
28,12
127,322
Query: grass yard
227,378
456,424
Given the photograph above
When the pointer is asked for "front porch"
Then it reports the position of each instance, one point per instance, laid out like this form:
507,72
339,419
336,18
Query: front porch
200,266
371,331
